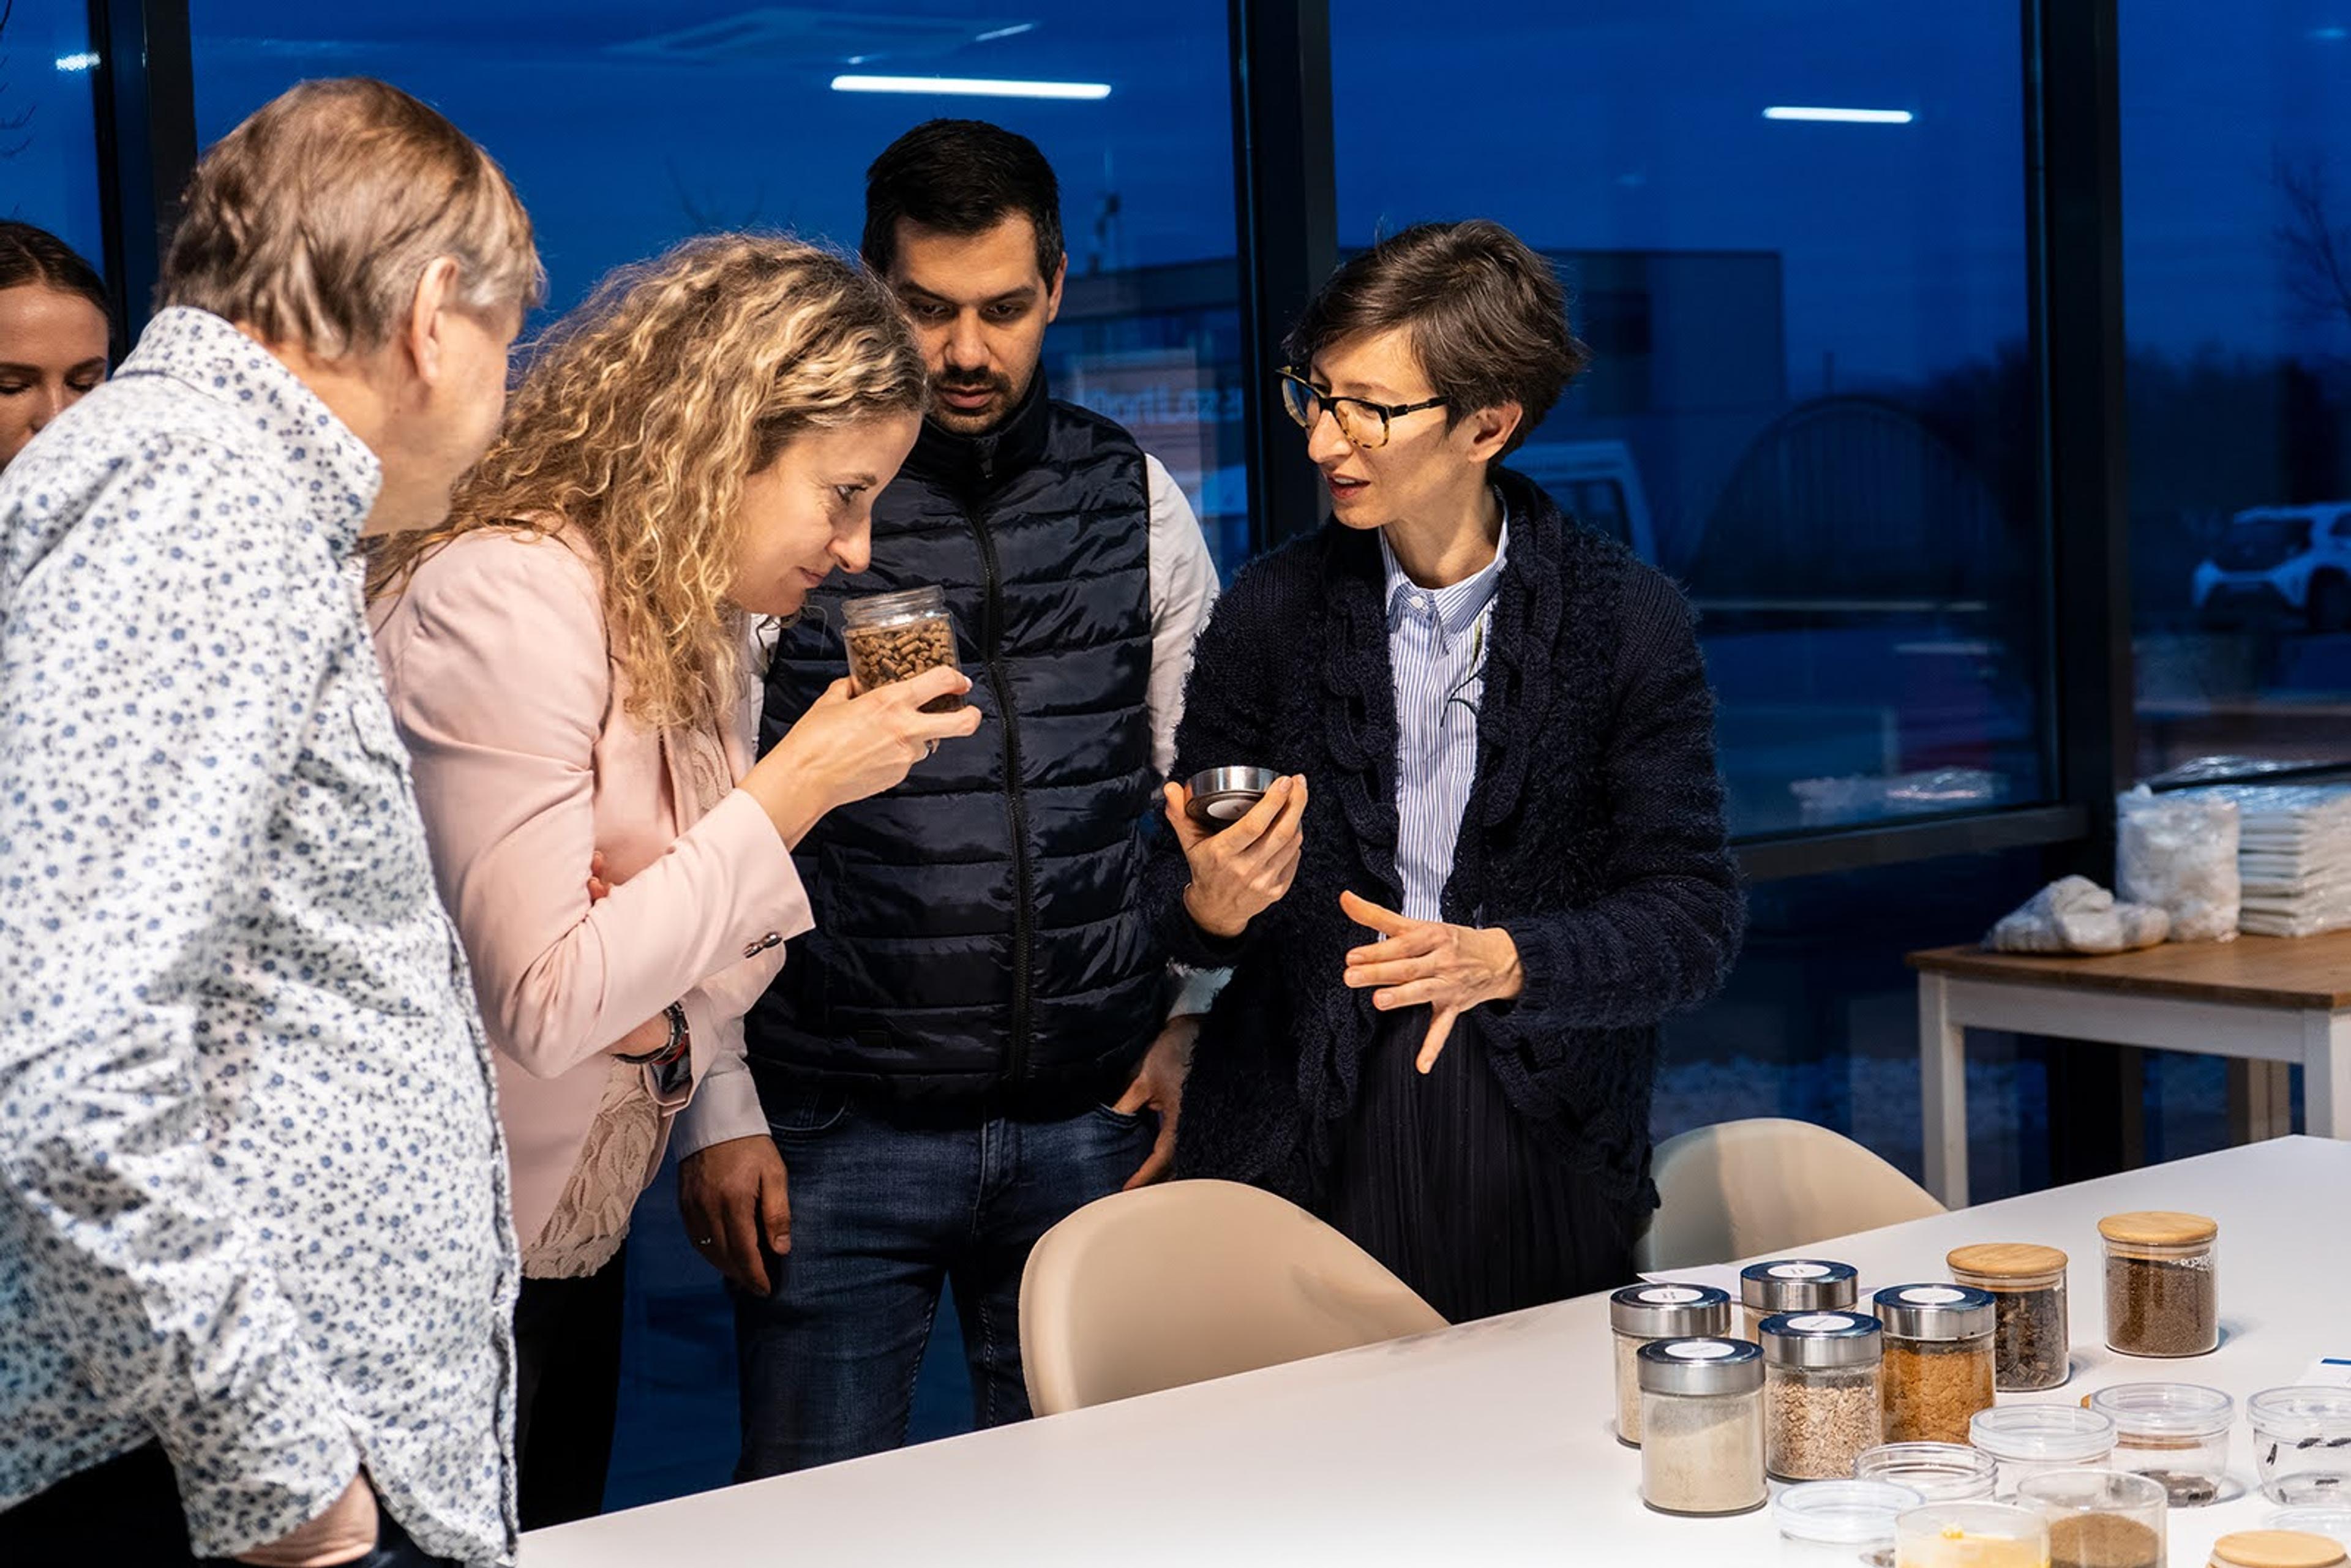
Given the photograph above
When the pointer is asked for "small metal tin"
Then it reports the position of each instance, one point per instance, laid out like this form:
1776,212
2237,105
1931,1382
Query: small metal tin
1222,795
1700,1367
1814,1340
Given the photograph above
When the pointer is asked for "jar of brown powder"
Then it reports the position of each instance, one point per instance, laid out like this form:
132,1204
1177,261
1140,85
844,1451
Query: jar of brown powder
2163,1295
1939,1359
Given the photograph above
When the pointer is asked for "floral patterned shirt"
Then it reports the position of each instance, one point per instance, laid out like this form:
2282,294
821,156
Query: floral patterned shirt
252,1199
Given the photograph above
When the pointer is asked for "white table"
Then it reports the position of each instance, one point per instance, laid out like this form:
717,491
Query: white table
2265,1002
1490,1444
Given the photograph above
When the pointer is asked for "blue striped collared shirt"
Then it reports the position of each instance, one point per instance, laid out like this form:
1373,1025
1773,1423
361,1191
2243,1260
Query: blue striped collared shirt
1437,650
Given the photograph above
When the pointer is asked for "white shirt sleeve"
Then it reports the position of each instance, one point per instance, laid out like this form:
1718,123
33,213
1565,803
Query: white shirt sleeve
1183,591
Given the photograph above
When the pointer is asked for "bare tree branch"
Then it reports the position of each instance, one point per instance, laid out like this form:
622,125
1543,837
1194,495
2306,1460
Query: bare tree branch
2318,252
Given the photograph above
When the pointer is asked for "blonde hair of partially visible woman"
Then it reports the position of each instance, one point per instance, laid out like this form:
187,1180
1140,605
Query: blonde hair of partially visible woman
644,411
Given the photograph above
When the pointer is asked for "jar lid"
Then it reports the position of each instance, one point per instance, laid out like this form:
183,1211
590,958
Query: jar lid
1696,1366
2165,1409
907,604
1934,1312
1665,1311
1792,1284
2053,1434
1939,1472
2331,1519
2275,1548
1842,1513
1822,1339
2006,1260
2307,1411
2158,1228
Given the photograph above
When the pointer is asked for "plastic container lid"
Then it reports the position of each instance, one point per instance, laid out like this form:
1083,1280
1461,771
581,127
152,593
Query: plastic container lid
2275,1548
2067,1492
1663,1311
881,609
1798,1284
1842,1513
1701,1366
2308,1411
2165,1409
1934,1312
2045,1434
2158,1228
2006,1260
1966,1521
1822,1339
2335,1523
1939,1472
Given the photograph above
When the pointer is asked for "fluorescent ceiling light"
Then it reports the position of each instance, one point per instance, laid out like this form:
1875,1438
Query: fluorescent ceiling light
1012,32
972,87
77,62
1841,116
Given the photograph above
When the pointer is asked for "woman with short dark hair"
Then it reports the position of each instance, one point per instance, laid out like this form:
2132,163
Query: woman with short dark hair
53,332
1449,960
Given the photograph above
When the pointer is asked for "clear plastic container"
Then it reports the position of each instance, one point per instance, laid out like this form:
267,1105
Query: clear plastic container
2173,1433
1939,1472
2028,1439
1794,1285
1822,1405
2301,1444
2277,1549
2163,1295
2335,1523
2099,1519
2031,1332
893,637
1840,1524
1939,1359
1702,1425
1970,1535
1643,1314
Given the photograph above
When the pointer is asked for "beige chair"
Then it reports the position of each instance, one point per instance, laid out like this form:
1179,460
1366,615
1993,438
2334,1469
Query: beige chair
1743,1189
1193,1280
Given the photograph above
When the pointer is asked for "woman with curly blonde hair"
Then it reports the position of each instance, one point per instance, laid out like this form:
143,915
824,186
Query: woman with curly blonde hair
697,445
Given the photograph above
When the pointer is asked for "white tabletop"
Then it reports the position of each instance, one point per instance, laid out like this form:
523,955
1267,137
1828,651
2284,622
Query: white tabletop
1486,1443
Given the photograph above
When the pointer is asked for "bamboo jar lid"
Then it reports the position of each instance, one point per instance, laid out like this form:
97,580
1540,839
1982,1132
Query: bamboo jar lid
2158,1227
2275,1548
2006,1260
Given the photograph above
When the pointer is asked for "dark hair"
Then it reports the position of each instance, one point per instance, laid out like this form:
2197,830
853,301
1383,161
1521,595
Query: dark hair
960,177
31,255
1486,316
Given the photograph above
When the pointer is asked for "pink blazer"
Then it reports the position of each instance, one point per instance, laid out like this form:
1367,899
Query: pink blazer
525,764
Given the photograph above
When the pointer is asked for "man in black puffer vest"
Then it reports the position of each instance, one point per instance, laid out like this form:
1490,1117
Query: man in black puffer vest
976,1040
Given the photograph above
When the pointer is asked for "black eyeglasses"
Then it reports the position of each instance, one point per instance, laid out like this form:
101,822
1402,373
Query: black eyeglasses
1364,424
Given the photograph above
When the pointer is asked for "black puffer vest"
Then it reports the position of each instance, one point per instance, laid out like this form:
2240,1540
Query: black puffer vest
978,940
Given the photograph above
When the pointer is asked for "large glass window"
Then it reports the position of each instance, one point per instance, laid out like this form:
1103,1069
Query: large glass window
49,158
1795,233
628,127
2237,256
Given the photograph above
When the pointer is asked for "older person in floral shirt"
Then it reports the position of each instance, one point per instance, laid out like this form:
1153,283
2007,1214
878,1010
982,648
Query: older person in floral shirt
255,1268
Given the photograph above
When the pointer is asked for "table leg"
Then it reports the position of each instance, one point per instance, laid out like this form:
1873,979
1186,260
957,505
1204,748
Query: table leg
2260,1100
2326,1074
1943,1093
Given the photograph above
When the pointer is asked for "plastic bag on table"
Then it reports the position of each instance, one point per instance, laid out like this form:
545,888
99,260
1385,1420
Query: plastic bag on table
2178,852
2076,916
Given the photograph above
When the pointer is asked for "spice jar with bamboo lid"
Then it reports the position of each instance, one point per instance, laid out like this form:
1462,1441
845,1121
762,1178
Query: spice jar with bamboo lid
2163,1295
2277,1549
2030,1327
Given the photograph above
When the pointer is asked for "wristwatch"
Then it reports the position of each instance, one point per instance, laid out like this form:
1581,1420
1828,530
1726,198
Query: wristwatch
680,1041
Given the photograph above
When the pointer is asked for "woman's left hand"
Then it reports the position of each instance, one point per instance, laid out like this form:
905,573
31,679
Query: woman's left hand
1451,968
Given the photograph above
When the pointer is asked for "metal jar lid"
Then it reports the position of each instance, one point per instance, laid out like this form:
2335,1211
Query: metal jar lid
1669,1310
1934,1312
1798,1285
1701,1366
1222,795
1812,1340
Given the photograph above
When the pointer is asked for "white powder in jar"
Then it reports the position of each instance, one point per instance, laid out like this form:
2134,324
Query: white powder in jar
1702,1454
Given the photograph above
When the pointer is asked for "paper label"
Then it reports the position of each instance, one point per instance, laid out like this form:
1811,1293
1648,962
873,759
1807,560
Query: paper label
1820,1322
1700,1349
1932,1296
1799,1271
1671,1296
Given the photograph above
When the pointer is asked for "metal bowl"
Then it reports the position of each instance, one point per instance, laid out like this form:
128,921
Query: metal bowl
1220,795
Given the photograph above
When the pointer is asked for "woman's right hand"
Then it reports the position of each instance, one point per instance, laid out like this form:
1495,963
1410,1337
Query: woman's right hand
847,747
1244,869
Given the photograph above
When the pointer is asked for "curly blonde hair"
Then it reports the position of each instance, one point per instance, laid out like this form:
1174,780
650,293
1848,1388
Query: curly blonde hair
641,414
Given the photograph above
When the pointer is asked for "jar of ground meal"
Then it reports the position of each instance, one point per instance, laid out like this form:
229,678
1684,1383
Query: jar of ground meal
1702,1425
2162,1294
2277,1549
1970,1535
893,637
1840,1524
2030,1333
1821,1399
2028,1439
1639,1315
1938,1370
2099,1519
1794,1285
2175,1433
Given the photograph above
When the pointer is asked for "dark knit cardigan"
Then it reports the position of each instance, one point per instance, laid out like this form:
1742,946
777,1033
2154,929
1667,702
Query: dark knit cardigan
1592,834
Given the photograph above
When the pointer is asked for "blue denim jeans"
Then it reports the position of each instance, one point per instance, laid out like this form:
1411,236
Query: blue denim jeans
885,1212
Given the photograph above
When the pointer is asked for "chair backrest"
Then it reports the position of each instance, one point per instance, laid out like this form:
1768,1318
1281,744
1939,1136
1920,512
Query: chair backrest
1192,1279
1740,1189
